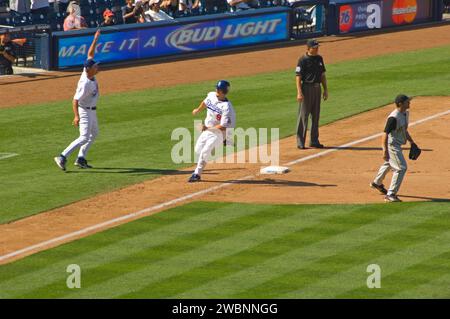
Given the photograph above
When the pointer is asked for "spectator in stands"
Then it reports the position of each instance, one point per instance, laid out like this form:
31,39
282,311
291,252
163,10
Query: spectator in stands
189,6
154,13
74,21
62,5
129,13
141,6
169,6
108,18
39,7
239,5
7,54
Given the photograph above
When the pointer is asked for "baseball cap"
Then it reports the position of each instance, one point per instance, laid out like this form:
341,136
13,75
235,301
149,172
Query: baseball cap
89,63
402,98
108,13
153,2
312,43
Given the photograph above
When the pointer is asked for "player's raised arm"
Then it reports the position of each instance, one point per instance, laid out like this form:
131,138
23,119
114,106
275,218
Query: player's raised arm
200,108
91,52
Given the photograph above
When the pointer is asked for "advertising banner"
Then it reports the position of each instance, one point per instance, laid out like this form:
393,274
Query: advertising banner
174,38
367,15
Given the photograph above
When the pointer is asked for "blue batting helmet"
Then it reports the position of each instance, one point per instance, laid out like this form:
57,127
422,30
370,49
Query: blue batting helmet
223,86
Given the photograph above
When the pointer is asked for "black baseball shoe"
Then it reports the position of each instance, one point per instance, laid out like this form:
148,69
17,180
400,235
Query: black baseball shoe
392,198
82,163
379,188
316,145
61,162
194,178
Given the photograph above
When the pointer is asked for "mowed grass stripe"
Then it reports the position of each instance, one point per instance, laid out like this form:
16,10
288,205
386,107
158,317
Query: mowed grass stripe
329,267
135,128
304,257
236,240
345,281
260,253
117,245
428,290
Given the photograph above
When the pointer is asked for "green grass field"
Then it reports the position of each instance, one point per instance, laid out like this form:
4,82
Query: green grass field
225,250
135,128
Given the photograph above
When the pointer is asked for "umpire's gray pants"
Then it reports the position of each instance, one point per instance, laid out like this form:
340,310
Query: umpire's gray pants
312,94
398,165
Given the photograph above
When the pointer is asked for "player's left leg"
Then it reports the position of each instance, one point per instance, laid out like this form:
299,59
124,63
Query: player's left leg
379,178
207,142
399,166
93,133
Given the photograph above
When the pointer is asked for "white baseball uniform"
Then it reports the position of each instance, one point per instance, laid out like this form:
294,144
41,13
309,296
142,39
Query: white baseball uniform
218,112
87,95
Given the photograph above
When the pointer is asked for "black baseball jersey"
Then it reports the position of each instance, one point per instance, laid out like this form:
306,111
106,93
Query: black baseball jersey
310,68
8,47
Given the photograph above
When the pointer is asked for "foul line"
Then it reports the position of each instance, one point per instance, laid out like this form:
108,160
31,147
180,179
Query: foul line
192,195
7,155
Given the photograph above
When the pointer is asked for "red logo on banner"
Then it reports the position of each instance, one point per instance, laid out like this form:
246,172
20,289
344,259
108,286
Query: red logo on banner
345,18
404,11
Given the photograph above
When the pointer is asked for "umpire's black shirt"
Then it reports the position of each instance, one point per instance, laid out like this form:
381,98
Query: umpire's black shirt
8,47
310,68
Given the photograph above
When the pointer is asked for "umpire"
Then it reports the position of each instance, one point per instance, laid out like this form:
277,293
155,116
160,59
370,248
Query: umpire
310,73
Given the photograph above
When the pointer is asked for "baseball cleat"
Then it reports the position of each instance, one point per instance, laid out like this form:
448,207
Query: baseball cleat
194,178
61,162
316,145
379,188
391,198
301,147
82,163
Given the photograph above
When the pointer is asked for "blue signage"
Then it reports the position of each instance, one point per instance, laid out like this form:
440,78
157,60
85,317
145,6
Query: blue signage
174,38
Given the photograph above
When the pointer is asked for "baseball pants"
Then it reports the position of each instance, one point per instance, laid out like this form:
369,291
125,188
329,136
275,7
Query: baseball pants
88,132
312,94
206,143
397,164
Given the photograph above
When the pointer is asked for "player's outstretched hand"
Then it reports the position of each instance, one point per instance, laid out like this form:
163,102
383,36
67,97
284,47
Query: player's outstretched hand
194,111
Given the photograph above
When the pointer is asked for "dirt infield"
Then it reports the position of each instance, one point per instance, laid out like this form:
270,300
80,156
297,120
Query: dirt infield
21,90
320,176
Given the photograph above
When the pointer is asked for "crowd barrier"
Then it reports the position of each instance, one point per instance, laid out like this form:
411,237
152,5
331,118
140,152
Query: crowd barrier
184,36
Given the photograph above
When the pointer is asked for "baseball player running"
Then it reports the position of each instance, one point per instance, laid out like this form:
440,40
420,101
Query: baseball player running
395,135
84,108
220,116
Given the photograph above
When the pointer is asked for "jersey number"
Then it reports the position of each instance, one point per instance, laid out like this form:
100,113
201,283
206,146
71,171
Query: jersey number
218,117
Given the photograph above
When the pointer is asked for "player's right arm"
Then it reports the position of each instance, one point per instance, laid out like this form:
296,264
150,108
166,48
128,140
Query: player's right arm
76,119
91,52
200,108
298,81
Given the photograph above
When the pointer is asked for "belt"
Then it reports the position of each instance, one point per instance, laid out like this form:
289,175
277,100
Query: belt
89,108
312,84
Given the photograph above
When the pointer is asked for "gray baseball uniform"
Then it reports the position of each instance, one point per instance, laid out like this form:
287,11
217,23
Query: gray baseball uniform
396,128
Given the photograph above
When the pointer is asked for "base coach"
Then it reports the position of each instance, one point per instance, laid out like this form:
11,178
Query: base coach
310,73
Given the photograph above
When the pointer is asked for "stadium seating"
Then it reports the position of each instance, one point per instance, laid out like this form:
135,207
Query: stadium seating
92,11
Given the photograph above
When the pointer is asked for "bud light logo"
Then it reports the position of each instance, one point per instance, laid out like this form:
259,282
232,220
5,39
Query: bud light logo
192,34
186,38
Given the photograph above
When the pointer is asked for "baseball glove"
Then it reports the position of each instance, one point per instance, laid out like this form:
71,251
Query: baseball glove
414,152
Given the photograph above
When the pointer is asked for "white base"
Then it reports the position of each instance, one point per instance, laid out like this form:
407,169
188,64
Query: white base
274,170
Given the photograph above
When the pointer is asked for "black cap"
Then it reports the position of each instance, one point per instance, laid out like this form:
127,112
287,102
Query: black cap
89,63
402,98
312,43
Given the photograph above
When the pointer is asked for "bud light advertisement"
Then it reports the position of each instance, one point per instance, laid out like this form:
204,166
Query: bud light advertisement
367,15
169,38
